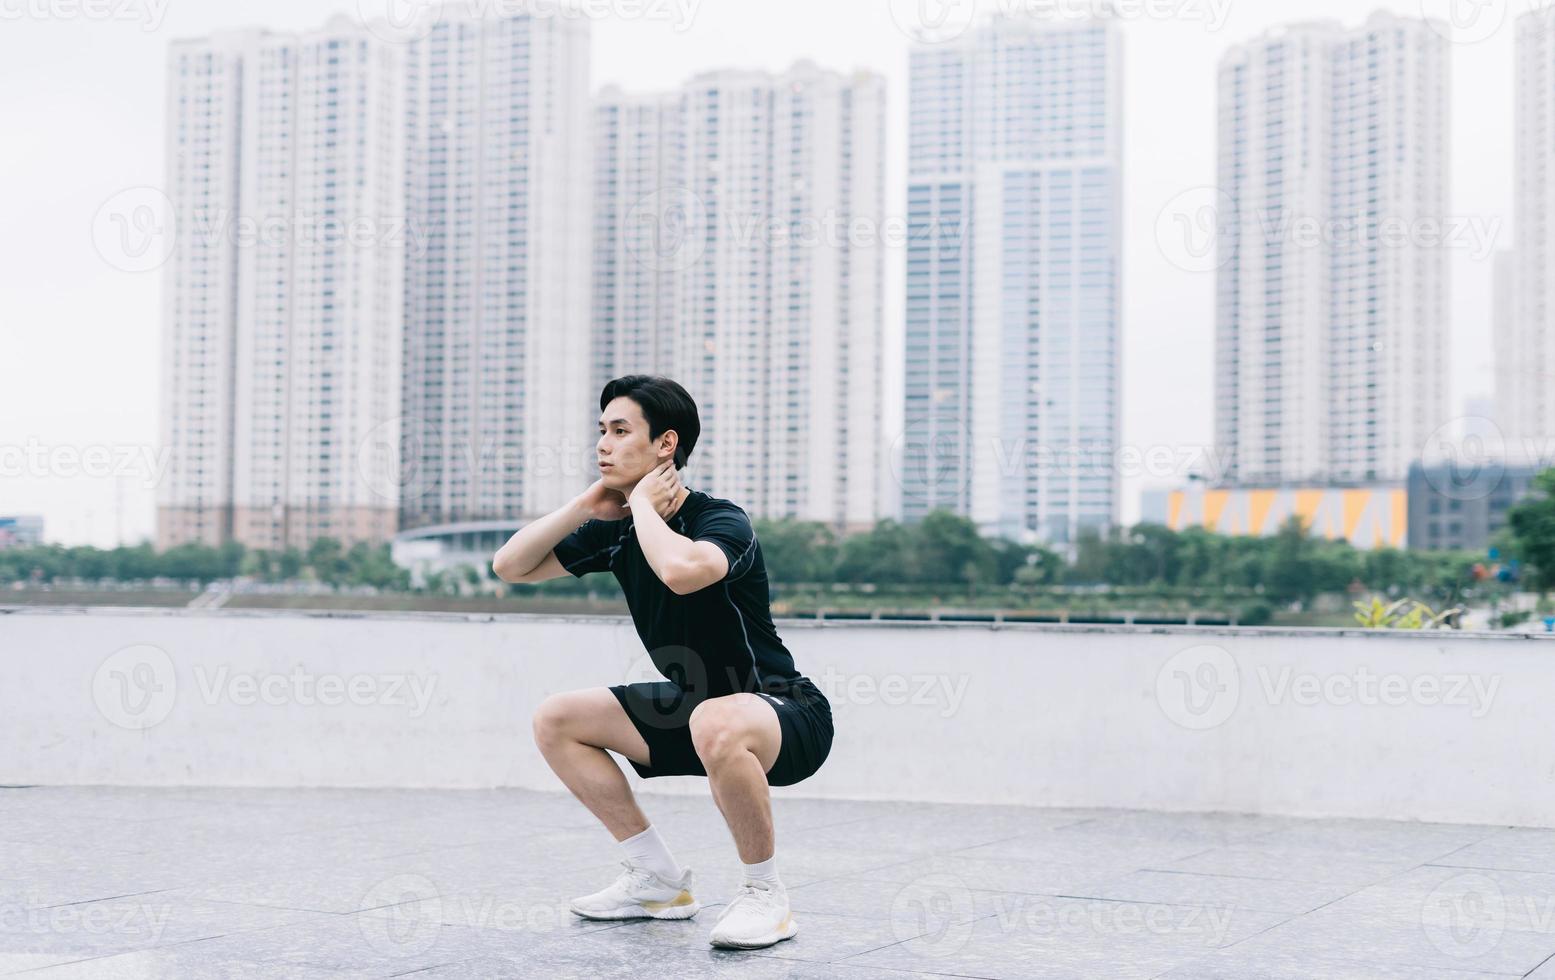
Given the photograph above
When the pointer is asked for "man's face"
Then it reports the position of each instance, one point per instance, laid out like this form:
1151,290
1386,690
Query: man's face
624,444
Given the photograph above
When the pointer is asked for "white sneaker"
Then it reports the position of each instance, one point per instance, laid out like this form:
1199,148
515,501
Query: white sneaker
758,916
640,894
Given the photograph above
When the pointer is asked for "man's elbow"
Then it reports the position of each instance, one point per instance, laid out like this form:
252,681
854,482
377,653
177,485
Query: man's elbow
504,570
688,578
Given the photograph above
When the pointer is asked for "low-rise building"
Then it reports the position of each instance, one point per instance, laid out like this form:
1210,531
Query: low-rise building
21,531
1463,508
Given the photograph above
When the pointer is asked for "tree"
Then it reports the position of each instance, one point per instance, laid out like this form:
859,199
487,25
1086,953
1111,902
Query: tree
1042,567
374,566
198,563
1012,558
328,560
291,564
1092,558
798,551
1202,559
884,556
1291,572
950,550
1533,523
1151,554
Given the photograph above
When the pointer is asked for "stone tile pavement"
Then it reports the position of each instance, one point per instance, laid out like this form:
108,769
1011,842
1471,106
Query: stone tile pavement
100,882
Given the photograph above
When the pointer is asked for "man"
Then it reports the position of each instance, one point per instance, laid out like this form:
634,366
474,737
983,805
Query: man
733,707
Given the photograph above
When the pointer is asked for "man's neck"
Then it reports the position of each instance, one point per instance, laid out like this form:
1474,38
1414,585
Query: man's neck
679,501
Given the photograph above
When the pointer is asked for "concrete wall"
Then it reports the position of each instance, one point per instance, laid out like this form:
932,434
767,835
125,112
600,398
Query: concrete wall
1440,726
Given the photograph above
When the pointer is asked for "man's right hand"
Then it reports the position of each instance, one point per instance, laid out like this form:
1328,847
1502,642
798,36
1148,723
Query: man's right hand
603,503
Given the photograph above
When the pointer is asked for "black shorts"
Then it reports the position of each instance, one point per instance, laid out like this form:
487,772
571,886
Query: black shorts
661,713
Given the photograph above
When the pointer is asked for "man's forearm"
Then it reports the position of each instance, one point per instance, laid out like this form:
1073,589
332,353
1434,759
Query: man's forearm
528,547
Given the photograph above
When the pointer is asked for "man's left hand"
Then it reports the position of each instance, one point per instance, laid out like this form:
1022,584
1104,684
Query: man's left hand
658,490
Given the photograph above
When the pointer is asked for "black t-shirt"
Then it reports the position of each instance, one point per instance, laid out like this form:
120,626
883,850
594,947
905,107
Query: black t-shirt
712,642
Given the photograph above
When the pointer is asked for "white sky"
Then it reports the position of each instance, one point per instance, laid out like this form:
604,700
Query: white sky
81,120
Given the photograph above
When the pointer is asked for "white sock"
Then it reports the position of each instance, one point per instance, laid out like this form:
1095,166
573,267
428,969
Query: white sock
765,871
647,850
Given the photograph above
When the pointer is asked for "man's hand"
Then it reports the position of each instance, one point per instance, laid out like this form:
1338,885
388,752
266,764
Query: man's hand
657,491
604,503
680,563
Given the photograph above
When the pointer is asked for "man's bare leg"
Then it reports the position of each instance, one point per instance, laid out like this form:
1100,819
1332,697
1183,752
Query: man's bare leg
737,737
573,731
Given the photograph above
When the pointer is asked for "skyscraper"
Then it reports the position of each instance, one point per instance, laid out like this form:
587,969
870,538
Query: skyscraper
1014,279
199,326
738,249
1507,340
1332,292
1525,358
642,243
283,293
498,411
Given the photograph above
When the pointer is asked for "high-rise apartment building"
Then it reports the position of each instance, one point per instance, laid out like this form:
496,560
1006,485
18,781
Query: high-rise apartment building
499,411
1332,329
282,308
1014,279
738,248
1525,353
1507,340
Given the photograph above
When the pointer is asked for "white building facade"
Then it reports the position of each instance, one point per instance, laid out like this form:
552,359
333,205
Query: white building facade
1014,280
738,249
283,293
1525,352
499,418
1332,293
1507,339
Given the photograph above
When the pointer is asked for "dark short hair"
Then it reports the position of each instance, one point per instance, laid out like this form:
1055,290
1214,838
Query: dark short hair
665,404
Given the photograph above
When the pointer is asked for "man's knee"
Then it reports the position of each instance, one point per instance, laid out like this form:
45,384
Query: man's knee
720,729
554,718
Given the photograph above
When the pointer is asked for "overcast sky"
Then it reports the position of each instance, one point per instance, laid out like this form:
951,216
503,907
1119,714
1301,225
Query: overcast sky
81,118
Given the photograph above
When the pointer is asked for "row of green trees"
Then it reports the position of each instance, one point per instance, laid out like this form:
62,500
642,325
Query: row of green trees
941,550
324,561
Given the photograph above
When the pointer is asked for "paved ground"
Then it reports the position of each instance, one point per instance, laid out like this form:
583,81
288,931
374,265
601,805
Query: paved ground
242,883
